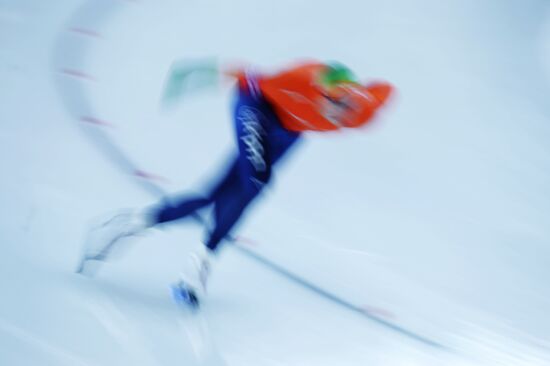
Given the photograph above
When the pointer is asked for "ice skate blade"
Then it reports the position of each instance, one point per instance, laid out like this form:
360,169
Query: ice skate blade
185,296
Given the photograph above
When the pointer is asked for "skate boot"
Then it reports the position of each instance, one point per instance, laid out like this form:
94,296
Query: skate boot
105,241
192,284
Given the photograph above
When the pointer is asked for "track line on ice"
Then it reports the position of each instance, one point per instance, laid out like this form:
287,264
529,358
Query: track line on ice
96,121
64,356
361,310
75,95
85,32
78,74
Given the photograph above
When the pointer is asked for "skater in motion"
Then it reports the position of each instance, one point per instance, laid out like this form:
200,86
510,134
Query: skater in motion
271,114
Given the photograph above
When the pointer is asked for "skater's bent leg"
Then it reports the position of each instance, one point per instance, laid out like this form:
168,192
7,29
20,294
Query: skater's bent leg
227,212
227,182
262,142
188,205
185,207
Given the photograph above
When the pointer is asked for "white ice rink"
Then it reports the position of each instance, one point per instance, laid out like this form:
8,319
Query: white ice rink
433,222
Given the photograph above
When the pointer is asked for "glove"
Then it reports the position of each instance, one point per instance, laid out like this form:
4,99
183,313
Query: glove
188,77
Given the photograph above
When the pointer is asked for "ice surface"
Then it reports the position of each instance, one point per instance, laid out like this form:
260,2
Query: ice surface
434,218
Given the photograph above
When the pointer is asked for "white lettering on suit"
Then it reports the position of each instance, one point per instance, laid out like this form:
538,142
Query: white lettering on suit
252,138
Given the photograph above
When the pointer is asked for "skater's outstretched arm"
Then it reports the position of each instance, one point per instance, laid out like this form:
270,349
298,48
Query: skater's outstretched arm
188,76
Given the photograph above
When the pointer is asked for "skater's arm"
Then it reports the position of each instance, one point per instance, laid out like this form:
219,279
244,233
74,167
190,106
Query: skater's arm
187,77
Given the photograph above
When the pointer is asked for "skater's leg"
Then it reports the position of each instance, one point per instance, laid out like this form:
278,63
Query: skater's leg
231,203
261,143
250,172
228,209
109,238
184,207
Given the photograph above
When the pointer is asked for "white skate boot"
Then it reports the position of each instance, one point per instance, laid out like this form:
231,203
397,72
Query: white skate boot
193,281
104,242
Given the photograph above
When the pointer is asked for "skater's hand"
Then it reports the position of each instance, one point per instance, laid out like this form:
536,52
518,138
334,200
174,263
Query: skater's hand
187,77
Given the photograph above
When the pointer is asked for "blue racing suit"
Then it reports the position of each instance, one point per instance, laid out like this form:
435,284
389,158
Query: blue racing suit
262,141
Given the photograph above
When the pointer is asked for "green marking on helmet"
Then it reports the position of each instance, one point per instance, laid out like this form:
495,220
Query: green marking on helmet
337,73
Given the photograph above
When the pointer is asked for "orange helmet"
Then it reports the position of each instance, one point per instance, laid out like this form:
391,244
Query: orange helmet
351,104
322,97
